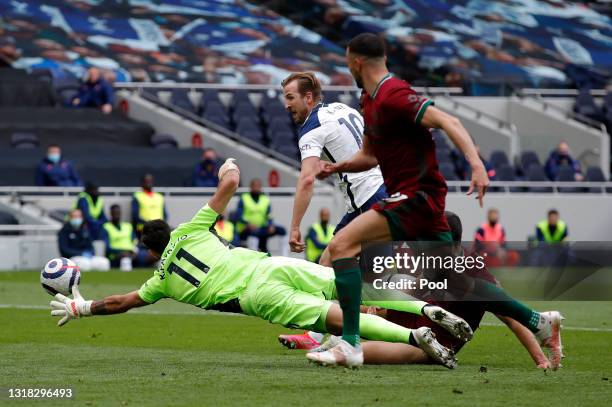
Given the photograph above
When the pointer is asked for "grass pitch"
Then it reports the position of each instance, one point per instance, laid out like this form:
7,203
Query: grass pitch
171,354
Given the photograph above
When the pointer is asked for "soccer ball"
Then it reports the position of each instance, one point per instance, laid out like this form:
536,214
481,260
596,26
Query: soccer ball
59,275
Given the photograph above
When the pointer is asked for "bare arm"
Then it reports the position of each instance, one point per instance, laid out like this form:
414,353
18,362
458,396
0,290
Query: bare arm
303,195
436,118
529,341
117,304
229,178
362,160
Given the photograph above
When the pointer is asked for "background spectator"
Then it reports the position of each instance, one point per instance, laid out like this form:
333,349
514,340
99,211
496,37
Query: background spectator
54,171
553,229
76,244
206,171
91,205
319,235
254,216
490,239
559,157
121,243
147,205
95,92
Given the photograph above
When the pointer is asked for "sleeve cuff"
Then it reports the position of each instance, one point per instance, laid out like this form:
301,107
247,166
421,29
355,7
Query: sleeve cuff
421,111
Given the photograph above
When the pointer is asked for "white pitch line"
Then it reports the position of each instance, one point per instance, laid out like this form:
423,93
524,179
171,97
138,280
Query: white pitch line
565,328
205,312
136,311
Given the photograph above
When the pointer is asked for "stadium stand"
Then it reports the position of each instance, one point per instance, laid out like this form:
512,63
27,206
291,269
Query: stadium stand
482,46
205,45
106,165
69,126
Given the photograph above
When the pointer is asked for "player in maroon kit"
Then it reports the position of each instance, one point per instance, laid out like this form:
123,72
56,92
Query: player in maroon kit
396,137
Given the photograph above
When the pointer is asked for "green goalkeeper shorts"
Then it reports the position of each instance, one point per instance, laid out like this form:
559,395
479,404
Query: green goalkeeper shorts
290,292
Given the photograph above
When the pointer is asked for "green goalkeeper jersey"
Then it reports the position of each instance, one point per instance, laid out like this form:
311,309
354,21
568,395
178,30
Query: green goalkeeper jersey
197,268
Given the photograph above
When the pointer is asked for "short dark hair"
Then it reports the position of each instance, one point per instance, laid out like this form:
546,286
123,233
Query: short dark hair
306,82
113,206
367,44
90,187
553,212
454,222
156,235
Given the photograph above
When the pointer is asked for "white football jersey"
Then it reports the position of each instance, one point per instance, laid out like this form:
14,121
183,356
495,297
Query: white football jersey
334,132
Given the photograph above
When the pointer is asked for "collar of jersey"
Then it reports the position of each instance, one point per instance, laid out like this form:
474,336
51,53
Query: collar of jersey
314,109
383,80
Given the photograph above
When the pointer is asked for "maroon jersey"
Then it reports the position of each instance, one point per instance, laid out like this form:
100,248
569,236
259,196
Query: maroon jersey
404,148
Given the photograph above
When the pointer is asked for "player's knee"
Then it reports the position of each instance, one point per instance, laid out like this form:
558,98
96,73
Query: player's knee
338,247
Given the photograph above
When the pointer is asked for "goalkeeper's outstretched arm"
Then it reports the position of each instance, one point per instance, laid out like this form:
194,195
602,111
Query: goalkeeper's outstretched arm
78,307
117,304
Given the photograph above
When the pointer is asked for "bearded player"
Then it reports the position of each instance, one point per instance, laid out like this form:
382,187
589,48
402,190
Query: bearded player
396,137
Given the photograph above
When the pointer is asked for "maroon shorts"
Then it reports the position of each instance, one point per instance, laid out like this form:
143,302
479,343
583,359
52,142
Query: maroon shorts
416,218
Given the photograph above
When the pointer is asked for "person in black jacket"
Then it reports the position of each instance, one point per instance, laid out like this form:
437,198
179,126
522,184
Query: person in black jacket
75,243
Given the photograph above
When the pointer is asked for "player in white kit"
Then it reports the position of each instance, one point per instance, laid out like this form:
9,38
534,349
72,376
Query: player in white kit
333,132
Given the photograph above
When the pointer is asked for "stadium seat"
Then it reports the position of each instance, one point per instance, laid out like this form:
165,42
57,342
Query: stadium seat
585,105
443,156
528,157
594,174
448,172
215,112
210,96
506,172
535,172
440,140
7,218
24,140
283,135
566,174
180,98
244,109
163,141
279,125
241,96
498,158
249,122
289,150
252,134
271,109
282,139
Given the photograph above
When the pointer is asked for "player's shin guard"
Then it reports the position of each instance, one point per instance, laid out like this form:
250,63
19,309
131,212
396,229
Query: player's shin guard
348,286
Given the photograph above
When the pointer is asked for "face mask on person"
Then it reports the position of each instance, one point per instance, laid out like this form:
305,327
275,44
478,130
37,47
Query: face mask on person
76,222
53,157
208,165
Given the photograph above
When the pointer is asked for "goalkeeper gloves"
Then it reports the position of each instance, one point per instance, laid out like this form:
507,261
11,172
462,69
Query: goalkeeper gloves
70,308
227,166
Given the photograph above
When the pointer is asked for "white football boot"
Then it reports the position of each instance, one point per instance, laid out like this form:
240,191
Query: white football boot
343,354
549,336
449,321
426,340
330,342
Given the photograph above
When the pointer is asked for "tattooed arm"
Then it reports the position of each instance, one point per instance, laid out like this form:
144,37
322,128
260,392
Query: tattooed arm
116,304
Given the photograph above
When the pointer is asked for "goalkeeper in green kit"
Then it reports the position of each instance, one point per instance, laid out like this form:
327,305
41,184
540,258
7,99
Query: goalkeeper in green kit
197,267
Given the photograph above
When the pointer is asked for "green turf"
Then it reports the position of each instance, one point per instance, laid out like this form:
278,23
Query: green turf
173,354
